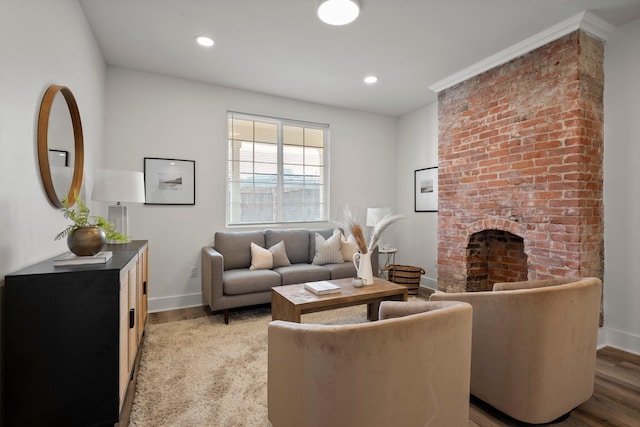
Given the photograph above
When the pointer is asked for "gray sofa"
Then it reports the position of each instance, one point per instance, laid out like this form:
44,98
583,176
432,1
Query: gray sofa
228,282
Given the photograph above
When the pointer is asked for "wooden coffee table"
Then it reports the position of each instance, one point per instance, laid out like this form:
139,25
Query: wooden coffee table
290,301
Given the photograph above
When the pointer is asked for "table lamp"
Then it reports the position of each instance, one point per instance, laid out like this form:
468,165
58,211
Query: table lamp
375,215
119,186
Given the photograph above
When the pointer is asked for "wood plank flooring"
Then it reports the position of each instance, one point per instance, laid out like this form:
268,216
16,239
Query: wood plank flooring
615,401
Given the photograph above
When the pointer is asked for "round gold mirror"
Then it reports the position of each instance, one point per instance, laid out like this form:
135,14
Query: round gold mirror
60,145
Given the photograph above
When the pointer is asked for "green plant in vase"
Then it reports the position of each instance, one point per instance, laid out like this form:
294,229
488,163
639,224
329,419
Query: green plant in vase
87,234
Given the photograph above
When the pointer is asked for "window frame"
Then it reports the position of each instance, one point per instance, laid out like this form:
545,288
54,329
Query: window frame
280,186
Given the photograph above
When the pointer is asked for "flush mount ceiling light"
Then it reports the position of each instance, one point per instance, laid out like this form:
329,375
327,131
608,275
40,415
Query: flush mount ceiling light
371,79
338,12
204,41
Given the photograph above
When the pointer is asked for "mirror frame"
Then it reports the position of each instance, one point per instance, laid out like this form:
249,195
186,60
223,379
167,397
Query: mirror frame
43,147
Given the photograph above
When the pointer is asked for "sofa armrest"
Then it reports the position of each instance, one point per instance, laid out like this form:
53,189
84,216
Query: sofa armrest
212,276
375,261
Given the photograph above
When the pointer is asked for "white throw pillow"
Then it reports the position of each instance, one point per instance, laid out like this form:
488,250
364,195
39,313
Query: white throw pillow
349,247
261,258
328,251
280,258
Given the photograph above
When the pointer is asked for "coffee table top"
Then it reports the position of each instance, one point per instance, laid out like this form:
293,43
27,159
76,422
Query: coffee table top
298,295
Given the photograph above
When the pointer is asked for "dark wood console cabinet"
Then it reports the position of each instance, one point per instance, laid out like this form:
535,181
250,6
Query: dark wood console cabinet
72,335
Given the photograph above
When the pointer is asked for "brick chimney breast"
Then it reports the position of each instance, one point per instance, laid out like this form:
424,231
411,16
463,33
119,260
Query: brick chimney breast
521,152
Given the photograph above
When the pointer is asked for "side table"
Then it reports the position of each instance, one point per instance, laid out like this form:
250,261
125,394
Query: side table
391,259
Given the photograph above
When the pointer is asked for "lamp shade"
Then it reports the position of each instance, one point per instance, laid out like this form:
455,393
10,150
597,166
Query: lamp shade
374,215
118,186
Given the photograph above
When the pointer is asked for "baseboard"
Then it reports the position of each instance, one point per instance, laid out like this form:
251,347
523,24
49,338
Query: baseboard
621,340
602,338
175,302
429,282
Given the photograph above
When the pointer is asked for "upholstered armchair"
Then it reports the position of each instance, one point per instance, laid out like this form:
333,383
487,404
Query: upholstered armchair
534,344
411,370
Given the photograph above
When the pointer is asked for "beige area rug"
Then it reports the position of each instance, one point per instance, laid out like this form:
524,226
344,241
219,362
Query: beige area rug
201,372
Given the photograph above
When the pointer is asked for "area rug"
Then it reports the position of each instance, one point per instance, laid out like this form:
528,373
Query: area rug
201,372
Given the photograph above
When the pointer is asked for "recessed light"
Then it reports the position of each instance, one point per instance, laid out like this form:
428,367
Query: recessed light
371,80
338,12
204,41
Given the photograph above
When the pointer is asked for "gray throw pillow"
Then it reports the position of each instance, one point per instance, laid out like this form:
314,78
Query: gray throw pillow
279,252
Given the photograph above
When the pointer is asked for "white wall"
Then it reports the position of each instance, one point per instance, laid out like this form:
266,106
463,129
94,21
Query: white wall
41,43
149,115
622,188
417,149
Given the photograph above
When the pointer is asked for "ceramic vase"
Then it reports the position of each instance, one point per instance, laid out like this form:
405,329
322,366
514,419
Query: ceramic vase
363,267
86,241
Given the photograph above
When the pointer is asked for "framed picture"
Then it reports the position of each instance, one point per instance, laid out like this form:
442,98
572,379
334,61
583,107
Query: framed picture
425,190
58,158
169,181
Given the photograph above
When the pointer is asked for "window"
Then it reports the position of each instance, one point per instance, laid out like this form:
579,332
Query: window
276,171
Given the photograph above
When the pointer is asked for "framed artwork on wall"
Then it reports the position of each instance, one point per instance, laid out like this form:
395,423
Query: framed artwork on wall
58,158
425,190
169,181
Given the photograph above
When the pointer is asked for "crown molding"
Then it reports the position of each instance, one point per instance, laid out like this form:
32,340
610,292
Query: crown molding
584,20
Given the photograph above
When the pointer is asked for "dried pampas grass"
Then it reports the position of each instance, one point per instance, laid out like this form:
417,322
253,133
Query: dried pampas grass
358,235
376,234
380,227
356,230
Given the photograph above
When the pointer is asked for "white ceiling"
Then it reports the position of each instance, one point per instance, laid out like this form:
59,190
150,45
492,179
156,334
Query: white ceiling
279,47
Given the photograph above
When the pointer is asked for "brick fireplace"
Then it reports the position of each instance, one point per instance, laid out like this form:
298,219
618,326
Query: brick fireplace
520,169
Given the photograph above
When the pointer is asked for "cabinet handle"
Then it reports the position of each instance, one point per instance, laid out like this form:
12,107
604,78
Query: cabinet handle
132,318
144,287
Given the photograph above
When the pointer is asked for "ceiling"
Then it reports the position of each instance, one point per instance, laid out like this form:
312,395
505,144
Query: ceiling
281,48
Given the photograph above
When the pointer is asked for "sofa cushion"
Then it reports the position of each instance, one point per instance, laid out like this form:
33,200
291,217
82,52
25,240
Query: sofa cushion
296,243
326,233
328,251
235,247
245,281
261,258
279,252
349,247
301,273
341,270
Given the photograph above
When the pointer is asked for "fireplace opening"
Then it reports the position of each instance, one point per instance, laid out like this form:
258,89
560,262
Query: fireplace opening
495,256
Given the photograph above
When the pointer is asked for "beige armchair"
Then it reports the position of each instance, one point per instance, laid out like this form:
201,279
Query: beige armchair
534,345
407,371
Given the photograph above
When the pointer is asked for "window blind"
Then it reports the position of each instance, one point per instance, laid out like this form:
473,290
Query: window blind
276,171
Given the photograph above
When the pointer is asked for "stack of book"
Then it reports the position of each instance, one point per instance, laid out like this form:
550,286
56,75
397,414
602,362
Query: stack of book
72,259
322,288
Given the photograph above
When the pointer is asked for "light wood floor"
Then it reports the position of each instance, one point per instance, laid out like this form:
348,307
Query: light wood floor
615,401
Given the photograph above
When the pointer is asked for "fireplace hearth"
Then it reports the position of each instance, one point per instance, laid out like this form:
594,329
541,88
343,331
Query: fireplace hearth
494,256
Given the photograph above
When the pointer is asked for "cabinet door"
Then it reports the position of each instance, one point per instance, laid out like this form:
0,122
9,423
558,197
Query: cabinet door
133,308
143,273
124,334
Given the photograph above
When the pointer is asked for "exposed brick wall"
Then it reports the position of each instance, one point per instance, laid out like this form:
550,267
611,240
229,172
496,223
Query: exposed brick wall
521,150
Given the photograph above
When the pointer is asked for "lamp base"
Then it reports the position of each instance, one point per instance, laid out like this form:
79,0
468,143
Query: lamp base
119,217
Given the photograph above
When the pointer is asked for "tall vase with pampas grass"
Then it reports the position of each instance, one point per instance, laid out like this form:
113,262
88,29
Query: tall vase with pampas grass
362,259
363,267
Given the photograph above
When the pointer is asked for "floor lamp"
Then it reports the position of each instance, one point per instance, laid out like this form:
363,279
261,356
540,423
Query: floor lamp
119,186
